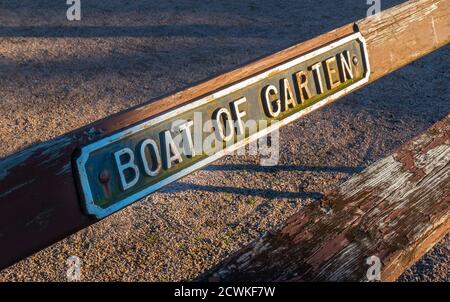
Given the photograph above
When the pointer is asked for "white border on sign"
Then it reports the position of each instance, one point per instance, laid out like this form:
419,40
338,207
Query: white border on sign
99,212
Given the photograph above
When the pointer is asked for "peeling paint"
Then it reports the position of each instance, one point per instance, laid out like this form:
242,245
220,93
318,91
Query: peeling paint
3,194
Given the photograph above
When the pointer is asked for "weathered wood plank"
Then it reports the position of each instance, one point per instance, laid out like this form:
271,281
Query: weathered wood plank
395,209
39,203
405,33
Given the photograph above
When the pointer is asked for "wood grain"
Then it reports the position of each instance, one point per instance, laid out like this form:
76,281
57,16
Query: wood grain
395,210
39,202
405,33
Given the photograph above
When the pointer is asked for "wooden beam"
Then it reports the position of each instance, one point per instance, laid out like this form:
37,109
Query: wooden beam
395,210
39,201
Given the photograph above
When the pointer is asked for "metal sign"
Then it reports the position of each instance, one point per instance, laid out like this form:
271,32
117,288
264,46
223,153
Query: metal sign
126,166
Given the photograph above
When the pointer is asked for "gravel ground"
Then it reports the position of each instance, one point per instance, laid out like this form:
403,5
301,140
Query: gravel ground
54,79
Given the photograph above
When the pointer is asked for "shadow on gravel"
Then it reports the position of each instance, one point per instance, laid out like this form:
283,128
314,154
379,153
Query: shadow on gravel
189,30
275,19
266,193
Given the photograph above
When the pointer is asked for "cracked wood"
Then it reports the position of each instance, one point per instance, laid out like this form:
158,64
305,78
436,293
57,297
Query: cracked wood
37,184
395,209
